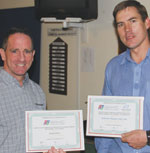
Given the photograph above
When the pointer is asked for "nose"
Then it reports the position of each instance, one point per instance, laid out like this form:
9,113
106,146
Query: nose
22,56
127,27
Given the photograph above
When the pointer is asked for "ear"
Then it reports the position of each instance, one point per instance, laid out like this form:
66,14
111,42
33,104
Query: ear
2,53
33,53
147,23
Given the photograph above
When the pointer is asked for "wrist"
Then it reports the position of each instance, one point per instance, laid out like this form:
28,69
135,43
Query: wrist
148,137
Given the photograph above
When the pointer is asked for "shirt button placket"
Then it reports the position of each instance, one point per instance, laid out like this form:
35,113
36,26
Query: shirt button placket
136,80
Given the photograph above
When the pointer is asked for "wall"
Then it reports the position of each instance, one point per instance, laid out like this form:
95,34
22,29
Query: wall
102,43
5,4
58,101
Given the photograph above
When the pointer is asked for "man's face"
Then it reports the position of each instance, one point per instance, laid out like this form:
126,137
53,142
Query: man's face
131,28
18,56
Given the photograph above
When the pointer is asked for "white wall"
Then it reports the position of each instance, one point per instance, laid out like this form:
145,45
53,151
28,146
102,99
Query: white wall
58,101
102,39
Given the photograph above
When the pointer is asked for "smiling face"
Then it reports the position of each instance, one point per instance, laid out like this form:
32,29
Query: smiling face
131,28
18,55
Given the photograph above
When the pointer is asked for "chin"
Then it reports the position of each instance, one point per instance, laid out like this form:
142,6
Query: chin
20,74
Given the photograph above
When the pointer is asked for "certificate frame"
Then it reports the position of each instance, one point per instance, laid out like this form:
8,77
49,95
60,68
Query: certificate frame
52,128
109,116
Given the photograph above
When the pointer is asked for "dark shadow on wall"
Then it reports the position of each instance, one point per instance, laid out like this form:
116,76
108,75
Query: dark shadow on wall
23,17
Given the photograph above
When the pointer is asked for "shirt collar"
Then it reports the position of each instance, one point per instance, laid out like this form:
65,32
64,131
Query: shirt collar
127,56
8,79
148,53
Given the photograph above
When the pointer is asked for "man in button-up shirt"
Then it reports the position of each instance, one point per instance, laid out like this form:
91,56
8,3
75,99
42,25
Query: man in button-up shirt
17,92
129,74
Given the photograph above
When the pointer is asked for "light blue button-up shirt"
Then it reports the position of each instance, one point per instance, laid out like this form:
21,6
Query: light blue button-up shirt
124,77
14,101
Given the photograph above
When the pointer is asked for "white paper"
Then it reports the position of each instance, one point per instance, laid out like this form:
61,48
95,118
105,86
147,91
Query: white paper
113,115
62,129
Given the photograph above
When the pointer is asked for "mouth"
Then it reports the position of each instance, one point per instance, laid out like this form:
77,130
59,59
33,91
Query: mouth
130,37
21,65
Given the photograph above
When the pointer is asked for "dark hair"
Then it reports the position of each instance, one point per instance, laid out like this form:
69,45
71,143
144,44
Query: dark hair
130,3
15,30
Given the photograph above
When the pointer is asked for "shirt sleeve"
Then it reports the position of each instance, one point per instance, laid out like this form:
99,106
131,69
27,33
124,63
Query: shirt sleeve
106,87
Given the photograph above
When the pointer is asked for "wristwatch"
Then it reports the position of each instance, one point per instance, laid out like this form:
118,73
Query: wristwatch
148,137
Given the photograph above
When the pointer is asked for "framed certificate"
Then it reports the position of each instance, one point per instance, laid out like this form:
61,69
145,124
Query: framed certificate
110,116
61,129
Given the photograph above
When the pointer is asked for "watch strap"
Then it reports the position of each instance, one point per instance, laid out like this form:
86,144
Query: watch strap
148,137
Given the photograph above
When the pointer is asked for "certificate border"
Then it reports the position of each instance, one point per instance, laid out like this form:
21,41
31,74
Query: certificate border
90,132
80,123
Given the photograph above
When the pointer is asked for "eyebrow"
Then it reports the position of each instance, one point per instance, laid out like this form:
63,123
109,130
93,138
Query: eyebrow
12,49
127,20
132,18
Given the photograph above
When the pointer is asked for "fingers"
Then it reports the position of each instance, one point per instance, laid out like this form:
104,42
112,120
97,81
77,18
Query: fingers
126,134
61,151
54,150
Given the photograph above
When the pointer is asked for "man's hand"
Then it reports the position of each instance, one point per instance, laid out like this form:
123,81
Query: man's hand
136,139
54,150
